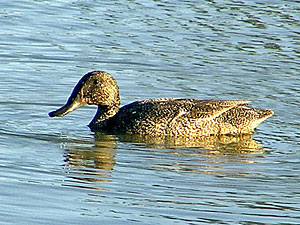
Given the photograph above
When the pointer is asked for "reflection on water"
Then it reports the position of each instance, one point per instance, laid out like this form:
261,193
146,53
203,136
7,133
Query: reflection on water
222,144
100,156
94,163
203,154
91,163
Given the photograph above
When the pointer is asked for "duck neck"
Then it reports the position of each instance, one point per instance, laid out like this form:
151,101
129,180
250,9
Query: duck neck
103,115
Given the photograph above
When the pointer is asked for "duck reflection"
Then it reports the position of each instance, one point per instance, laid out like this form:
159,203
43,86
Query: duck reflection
95,161
225,144
206,155
91,162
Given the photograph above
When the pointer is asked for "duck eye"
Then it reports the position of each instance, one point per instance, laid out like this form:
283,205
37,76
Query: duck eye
96,81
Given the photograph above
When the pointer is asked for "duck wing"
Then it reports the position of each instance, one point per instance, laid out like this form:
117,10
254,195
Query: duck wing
174,108
160,114
209,109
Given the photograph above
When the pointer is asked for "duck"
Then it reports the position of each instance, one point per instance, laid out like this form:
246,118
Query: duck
159,117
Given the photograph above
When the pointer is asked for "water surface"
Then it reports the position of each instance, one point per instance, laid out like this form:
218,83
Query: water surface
56,171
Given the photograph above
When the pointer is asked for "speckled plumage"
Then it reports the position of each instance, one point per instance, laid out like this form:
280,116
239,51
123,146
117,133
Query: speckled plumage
160,116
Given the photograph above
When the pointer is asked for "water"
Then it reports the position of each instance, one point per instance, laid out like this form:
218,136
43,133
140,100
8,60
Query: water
55,171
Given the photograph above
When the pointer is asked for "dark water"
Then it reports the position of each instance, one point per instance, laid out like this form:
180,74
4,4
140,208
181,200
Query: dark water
55,171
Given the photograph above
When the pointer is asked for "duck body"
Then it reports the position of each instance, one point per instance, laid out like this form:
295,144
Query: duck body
160,116
183,117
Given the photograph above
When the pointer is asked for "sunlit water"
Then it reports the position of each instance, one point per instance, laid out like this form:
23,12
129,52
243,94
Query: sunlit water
55,171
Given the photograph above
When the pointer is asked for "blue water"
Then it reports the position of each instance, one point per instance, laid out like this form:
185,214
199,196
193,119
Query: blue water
56,171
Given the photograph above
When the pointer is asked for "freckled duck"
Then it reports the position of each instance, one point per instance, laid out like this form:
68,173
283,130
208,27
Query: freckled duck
160,116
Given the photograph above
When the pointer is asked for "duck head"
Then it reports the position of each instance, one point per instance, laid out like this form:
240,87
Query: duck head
94,88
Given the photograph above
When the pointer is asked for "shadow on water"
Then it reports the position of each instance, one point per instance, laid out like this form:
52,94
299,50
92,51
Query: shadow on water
87,164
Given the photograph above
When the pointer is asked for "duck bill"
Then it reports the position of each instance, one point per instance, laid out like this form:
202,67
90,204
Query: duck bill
72,104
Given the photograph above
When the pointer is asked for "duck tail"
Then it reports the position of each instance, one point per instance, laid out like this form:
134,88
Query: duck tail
261,115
